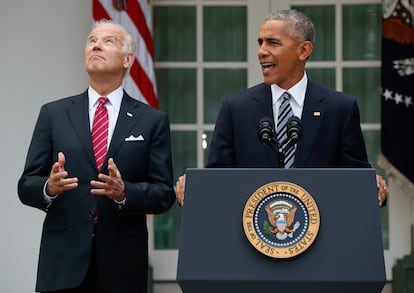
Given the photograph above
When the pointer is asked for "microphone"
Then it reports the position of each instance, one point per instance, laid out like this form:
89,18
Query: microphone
267,135
265,131
294,132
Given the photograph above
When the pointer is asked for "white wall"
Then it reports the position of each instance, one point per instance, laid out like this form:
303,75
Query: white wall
41,59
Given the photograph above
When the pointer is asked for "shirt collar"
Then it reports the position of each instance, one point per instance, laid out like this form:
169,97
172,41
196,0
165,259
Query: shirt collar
297,91
115,98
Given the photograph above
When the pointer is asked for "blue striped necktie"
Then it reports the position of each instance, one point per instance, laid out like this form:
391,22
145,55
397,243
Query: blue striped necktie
285,112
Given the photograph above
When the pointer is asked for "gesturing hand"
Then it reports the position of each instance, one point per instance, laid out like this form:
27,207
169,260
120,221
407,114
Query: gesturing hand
57,182
382,190
179,189
110,185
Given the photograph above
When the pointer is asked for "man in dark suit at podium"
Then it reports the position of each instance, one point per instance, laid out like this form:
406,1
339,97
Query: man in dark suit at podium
331,135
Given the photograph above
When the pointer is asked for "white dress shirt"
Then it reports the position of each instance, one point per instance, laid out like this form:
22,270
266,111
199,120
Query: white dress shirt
113,105
297,92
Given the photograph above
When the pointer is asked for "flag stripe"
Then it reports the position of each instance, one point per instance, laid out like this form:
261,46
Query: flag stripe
99,11
136,14
136,19
140,78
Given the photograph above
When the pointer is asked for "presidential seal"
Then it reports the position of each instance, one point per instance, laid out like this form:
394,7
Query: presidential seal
281,219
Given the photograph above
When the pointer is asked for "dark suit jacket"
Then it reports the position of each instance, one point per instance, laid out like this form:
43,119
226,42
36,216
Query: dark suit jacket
121,234
331,133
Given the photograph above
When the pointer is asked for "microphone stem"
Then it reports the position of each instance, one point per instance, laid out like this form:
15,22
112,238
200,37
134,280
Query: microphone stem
281,153
275,146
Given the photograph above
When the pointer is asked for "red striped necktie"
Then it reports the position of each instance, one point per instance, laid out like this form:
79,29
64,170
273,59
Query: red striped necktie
100,133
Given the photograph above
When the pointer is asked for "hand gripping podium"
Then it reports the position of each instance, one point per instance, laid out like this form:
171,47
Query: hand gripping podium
215,254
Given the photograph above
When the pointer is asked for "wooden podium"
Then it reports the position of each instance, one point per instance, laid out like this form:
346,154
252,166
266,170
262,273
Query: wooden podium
216,256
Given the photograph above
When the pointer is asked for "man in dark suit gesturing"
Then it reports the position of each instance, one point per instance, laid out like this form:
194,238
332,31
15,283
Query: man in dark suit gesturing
95,235
331,133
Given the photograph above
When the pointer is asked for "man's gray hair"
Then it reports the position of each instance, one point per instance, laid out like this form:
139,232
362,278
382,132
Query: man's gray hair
299,26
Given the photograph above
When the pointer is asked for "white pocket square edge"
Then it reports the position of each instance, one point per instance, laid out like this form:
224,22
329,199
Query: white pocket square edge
134,138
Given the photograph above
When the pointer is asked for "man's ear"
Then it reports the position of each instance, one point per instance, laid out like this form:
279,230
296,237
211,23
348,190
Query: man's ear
128,60
305,50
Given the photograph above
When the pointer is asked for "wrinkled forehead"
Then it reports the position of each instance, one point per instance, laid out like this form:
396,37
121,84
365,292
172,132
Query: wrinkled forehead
107,31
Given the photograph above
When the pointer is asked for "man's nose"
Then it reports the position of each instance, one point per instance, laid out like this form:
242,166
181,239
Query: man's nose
262,51
97,47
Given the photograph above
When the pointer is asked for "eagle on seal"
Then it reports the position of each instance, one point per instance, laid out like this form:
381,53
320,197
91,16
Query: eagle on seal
281,221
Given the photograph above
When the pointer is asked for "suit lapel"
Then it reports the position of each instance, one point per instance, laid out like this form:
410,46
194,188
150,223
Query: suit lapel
129,114
78,114
261,108
312,115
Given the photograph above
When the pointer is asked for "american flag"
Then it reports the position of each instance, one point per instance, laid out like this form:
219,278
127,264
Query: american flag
135,17
397,78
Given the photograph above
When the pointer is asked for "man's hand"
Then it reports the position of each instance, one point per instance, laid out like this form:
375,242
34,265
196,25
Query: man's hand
179,189
382,190
57,182
112,185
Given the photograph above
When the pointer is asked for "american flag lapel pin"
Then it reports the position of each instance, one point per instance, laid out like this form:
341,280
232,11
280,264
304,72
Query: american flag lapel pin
316,114
129,114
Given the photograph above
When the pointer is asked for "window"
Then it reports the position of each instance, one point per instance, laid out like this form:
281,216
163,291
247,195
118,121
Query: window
197,46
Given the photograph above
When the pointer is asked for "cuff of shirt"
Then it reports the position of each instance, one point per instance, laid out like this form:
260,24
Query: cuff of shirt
48,199
120,203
